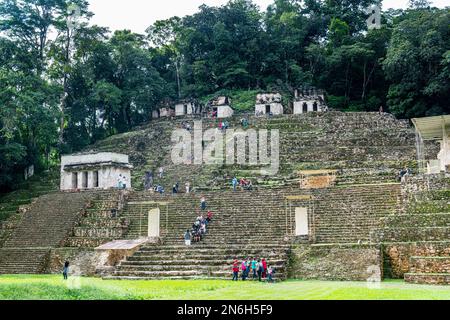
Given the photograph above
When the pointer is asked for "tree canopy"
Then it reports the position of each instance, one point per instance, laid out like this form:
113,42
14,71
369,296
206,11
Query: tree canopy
65,83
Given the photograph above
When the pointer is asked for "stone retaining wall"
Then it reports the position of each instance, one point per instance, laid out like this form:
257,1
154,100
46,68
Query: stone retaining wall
397,256
83,262
342,263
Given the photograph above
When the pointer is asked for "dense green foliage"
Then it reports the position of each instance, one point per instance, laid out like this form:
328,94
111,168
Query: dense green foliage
54,288
65,84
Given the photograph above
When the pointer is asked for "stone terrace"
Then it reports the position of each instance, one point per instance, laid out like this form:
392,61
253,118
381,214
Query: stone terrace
365,147
417,241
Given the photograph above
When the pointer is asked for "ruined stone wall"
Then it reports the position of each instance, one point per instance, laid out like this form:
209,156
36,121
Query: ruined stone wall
422,183
343,263
397,256
83,262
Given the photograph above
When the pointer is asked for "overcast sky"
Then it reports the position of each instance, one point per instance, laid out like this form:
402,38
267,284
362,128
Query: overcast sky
137,15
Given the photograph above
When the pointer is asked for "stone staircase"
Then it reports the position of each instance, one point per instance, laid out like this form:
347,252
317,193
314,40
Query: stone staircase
14,204
418,239
49,221
243,226
23,260
198,261
46,225
349,214
102,221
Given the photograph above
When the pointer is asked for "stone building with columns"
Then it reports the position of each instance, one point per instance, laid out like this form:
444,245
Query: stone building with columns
430,130
87,171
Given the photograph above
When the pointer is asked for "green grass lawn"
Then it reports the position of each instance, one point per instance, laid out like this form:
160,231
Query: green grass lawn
54,288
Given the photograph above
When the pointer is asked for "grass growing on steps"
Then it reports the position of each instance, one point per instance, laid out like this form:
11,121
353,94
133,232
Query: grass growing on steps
54,288
38,185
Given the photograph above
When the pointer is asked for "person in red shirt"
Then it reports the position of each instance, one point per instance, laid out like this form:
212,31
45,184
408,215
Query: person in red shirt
264,263
235,270
209,217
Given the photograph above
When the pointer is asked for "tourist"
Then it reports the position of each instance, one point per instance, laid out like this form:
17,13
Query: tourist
148,180
174,189
187,238
159,189
203,228
235,183
244,123
249,265
270,274
235,270
260,270
209,217
381,110
254,268
203,203
161,172
264,264
244,270
404,173
220,125
66,270
188,187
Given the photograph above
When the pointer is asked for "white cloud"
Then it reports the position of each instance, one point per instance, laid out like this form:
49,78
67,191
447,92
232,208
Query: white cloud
137,15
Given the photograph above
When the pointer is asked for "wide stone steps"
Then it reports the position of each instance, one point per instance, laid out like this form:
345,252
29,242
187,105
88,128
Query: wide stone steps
22,260
428,278
49,221
430,264
422,220
170,261
412,234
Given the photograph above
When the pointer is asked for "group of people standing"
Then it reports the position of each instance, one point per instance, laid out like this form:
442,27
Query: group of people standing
258,268
199,228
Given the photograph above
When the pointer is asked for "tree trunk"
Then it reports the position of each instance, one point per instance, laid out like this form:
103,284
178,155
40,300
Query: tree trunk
63,100
178,78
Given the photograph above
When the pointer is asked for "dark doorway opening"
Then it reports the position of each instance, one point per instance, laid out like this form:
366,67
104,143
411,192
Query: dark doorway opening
305,107
315,107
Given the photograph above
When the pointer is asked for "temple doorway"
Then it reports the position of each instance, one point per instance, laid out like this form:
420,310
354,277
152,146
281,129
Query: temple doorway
153,223
301,222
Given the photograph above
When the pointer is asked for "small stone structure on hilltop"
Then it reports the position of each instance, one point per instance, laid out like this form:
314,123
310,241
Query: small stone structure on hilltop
164,110
221,106
309,100
269,103
188,107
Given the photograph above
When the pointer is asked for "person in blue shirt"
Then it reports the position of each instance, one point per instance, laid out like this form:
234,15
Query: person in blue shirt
235,183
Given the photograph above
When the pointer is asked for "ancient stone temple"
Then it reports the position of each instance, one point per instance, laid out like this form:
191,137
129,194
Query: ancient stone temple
187,107
309,100
104,170
221,106
268,103
433,129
